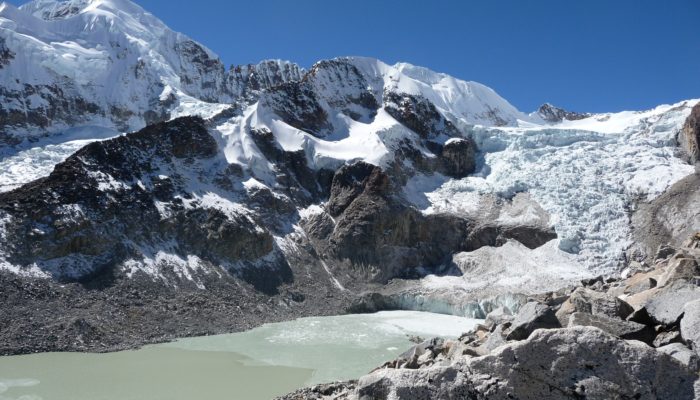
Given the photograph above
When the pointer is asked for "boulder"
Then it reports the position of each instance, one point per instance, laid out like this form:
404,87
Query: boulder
679,267
683,354
640,282
498,316
616,327
666,338
598,303
666,305
531,316
690,325
494,340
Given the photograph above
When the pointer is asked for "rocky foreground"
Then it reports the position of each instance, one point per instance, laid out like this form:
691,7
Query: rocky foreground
636,336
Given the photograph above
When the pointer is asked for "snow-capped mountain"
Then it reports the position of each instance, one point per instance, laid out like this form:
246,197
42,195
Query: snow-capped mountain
299,185
108,63
111,63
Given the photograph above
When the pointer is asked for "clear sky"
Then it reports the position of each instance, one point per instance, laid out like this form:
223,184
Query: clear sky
584,55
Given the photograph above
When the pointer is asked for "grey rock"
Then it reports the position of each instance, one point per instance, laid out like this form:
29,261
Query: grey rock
532,316
683,354
495,339
616,327
679,266
690,325
599,303
334,390
498,316
666,338
666,305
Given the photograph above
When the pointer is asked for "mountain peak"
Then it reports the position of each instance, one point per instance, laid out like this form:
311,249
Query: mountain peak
62,9
552,113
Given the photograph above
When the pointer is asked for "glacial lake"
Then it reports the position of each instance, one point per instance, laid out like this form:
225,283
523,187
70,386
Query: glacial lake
258,364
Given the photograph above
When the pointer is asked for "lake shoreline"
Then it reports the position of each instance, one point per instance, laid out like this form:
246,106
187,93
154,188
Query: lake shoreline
261,363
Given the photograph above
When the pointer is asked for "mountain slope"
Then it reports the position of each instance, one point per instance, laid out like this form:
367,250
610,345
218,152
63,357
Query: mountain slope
291,188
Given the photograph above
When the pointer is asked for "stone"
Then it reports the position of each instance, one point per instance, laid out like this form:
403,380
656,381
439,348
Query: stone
666,338
663,252
683,354
622,329
679,267
666,305
498,316
690,325
592,302
532,316
494,340
640,282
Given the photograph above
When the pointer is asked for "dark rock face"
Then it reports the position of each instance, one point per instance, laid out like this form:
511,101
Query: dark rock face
374,228
297,104
349,182
206,72
344,88
242,79
5,54
551,113
689,136
459,157
299,181
532,316
377,232
418,114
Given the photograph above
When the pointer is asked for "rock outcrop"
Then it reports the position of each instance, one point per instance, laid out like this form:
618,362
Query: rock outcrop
669,219
689,136
555,114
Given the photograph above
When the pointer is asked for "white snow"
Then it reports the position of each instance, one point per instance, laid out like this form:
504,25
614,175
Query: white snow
157,263
35,160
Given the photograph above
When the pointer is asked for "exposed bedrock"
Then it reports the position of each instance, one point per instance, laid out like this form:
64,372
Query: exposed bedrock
689,136
668,219
380,235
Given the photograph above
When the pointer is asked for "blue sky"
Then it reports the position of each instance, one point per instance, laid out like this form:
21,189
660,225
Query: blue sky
592,55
